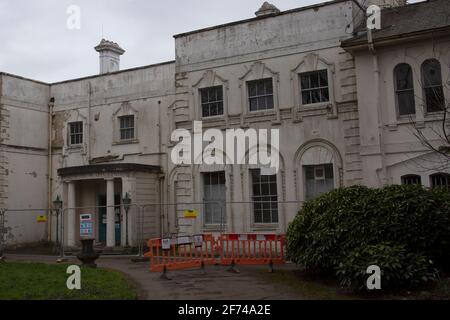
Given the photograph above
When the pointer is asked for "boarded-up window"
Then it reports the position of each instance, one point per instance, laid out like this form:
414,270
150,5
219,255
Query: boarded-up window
319,179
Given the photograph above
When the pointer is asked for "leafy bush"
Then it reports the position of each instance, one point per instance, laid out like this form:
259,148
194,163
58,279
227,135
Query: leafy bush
378,223
398,267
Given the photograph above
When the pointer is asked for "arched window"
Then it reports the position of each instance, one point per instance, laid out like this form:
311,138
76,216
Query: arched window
432,85
404,89
412,179
440,180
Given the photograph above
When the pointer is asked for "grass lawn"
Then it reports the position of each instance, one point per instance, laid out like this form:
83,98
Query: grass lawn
316,287
35,281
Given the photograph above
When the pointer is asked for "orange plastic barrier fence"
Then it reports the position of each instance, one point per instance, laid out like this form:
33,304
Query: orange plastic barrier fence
181,253
251,249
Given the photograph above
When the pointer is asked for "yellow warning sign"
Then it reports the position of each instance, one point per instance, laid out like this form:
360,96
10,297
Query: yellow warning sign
190,214
41,219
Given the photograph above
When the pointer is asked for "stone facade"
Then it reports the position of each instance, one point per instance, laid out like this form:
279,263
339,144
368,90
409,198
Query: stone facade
340,135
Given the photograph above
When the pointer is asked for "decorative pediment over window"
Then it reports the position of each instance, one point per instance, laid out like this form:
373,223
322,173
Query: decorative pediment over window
125,110
312,62
258,71
210,79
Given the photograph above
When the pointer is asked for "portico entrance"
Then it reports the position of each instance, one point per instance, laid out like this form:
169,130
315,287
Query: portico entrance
98,190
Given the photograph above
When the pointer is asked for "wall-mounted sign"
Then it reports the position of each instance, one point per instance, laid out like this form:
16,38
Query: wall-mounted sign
190,214
198,241
86,227
41,219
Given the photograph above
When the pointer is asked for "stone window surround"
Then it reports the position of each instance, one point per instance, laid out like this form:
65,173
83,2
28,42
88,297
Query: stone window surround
259,71
313,62
75,134
197,175
328,154
421,117
125,110
71,117
209,79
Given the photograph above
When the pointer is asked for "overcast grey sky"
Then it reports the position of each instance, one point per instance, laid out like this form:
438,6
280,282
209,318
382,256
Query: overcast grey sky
36,43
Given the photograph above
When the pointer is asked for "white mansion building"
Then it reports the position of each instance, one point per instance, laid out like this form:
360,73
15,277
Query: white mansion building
343,102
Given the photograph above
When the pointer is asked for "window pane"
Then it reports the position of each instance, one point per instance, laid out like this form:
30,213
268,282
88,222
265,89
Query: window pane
323,77
315,96
314,78
431,70
305,82
214,193
434,98
253,104
252,89
306,97
319,179
406,103
324,95
404,76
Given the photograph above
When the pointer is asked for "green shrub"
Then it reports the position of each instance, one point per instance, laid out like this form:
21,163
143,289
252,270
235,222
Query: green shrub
332,228
398,267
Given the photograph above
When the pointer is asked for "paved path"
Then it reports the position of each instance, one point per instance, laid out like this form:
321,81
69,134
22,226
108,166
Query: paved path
216,284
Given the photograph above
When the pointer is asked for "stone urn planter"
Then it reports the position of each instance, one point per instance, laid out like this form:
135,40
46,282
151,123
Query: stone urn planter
88,256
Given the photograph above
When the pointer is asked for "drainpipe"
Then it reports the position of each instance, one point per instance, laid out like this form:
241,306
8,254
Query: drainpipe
51,105
89,123
376,77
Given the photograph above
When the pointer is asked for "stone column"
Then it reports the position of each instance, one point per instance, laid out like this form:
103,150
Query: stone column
110,215
71,204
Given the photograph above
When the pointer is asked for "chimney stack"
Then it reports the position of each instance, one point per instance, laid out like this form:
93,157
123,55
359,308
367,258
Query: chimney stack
267,9
110,53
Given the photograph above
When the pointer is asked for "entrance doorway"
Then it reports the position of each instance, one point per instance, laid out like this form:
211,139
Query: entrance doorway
102,219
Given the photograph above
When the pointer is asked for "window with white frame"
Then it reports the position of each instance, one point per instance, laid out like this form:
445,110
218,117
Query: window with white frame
319,179
212,101
412,179
265,197
127,128
260,94
440,180
76,133
214,196
314,87
404,89
432,85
